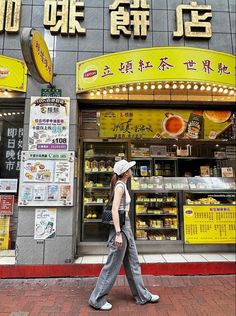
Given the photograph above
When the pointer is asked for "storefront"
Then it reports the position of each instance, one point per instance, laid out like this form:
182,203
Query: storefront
183,185
159,89
12,98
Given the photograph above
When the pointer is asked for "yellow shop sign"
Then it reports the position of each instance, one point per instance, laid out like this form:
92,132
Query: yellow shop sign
156,64
13,74
210,224
42,57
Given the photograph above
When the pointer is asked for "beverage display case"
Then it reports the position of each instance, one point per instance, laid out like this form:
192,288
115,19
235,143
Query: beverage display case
99,159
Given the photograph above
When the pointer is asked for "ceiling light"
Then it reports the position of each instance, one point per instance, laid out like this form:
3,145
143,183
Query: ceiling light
145,87
208,88
153,87
104,92
138,87
202,88
231,92
19,112
5,92
91,95
214,89
167,86
221,90
226,91
9,113
181,86
98,92
0,114
189,86
117,90
124,89
111,91
5,114
131,88
174,86
195,87
159,87
13,113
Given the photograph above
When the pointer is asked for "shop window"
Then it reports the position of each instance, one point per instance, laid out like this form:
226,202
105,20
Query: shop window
11,144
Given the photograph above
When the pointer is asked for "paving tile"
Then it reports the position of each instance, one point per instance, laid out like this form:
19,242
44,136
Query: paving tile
194,257
174,258
213,257
229,256
92,259
154,258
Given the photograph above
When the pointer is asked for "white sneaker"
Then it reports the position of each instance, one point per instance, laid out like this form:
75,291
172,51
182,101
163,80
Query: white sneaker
154,298
106,307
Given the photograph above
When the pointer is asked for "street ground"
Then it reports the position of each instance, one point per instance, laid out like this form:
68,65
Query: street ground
180,296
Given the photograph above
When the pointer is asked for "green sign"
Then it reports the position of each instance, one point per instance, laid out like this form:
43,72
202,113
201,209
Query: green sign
51,92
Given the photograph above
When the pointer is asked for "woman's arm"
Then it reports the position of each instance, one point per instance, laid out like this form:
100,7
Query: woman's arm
115,215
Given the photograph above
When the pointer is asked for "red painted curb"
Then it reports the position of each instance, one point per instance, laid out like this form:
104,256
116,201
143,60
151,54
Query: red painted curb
89,270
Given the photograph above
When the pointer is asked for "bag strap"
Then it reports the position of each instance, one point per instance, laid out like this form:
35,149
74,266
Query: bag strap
113,193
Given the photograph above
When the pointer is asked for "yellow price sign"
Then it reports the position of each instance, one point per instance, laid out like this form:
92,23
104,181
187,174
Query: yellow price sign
210,224
4,232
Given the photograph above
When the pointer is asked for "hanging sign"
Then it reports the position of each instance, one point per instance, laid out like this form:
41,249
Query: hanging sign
36,55
156,64
49,123
13,74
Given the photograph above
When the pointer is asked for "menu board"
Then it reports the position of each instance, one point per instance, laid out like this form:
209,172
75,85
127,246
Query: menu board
4,232
46,179
45,223
8,185
6,204
210,224
49,123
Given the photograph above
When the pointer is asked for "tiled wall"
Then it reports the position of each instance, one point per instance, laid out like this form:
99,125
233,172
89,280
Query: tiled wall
66,51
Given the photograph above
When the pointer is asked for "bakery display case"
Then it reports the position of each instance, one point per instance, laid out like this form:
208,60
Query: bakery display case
98,162
156,216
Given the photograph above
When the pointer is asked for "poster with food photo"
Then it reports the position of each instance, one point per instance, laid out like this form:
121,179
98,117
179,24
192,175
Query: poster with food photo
49,123
165,124
38,171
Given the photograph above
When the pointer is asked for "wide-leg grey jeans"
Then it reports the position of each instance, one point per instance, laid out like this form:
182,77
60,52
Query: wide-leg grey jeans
127,255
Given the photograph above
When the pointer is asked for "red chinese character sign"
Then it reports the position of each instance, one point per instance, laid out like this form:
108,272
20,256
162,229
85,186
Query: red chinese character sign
6,204
156,64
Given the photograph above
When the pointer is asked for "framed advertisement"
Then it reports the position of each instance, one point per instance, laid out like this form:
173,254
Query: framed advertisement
45,223
49,123
46,179
8,185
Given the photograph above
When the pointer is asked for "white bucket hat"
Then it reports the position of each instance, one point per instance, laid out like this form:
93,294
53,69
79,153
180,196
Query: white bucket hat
122,166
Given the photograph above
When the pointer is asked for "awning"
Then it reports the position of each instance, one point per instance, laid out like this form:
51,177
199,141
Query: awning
13,74
157,69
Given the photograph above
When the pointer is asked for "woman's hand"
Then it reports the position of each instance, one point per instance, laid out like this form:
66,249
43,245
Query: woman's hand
119,241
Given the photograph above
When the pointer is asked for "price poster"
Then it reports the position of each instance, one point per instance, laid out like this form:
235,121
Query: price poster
4,232
6,204
46,178
210,224
45,223
49,123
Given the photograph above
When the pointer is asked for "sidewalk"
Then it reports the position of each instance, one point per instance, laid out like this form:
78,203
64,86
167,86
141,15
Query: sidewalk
180,296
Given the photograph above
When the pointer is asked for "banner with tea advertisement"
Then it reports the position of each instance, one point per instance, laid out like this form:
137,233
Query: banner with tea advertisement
46,179
49,123
166,123
45,223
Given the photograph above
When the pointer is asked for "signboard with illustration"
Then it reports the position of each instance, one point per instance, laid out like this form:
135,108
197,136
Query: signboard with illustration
45,223
167,123
49,123
13,74
46,179
156,64
209,224
6,204
8,185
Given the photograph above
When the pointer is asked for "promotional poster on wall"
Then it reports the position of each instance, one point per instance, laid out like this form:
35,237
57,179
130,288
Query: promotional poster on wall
45,223
49,123
46,179
8,185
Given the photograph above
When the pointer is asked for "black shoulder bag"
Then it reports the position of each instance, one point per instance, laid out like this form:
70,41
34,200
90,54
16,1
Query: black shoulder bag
107,212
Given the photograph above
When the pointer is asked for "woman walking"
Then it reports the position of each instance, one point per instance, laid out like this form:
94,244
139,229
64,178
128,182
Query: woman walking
122,247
